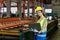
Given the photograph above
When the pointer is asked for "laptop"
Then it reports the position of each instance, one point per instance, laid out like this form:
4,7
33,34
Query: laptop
36,26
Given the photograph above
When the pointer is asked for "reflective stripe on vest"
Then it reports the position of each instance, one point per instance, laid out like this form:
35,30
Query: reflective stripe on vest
42,21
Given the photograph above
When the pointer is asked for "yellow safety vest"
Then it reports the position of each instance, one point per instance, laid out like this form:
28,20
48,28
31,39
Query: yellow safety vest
43,23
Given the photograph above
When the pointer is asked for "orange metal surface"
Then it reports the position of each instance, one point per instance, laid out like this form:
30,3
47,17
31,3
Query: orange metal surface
9,19
1,1
26,21
18,23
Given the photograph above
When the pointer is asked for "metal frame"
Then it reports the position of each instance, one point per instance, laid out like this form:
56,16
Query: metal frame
20,6
34,8
19,9
28,7
8,7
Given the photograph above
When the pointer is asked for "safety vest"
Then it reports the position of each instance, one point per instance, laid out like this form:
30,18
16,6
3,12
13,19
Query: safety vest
43,24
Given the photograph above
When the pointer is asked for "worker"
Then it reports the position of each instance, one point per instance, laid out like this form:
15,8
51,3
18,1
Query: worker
43,24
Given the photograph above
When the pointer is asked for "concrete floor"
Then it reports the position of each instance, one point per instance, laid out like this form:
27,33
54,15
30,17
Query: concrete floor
56,35
8,38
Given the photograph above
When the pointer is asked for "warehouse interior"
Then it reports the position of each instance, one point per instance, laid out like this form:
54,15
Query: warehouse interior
14,14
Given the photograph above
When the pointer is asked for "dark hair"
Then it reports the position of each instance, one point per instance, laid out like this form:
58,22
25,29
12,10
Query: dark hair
43,13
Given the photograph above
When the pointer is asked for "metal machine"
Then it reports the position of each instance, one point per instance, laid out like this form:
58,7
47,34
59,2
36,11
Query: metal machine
25,9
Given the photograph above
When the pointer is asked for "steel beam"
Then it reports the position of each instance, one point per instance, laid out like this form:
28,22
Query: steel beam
28,7
8,8
34,8
19,8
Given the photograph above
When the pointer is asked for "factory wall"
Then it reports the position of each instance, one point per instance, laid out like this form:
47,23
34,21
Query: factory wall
56,9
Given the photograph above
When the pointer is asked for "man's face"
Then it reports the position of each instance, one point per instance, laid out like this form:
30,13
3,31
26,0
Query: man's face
39,13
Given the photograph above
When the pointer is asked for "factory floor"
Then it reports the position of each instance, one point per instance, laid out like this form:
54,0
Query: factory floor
56,35
8,38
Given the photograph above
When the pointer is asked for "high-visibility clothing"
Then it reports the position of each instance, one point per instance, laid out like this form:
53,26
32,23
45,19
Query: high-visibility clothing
43,24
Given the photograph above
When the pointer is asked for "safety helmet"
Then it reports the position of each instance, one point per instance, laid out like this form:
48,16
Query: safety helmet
38,8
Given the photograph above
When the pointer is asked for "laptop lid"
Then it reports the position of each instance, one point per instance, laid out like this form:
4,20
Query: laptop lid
36,26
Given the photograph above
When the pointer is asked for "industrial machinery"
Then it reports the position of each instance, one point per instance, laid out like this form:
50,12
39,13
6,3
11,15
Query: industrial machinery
24,13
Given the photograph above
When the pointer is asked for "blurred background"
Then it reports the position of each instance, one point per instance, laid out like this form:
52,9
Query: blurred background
13,11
